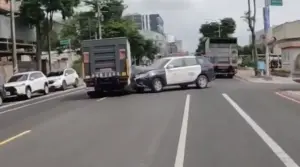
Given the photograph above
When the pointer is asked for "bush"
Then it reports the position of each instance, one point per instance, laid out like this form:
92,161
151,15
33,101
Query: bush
281,72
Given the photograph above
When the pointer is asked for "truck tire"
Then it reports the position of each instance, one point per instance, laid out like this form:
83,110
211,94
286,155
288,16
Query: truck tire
94,94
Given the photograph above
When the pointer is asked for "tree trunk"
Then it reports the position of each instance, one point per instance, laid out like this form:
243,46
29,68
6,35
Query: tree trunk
49,41
38,47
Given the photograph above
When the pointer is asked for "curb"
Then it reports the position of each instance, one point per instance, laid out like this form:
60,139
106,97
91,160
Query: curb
241,78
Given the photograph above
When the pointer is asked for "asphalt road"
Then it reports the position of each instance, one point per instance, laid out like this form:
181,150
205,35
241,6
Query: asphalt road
230,124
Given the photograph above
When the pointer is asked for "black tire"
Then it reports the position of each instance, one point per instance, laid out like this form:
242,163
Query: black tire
28,93
94,94
64,85
140,90
184,86
230,76
76,83
157,85
1,100
46,89
202,81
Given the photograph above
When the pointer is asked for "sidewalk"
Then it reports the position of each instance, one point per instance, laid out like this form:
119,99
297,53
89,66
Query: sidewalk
248,75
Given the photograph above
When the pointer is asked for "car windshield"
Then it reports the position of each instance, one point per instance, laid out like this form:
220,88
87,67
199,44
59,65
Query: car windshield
55,74
18,78
158,64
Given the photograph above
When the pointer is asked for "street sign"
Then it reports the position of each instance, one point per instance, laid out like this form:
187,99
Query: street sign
276,3
64,42
266,13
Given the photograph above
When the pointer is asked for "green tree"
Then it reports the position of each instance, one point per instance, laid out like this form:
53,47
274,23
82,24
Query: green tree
84,26
31,13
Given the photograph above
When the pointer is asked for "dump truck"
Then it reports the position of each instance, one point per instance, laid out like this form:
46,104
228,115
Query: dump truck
223,53
106,65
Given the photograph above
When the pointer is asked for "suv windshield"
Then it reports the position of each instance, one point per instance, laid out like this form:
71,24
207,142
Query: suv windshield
158,64
55,74
18,78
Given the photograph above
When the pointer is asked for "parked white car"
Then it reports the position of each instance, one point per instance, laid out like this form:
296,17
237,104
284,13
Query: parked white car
27,83
63,79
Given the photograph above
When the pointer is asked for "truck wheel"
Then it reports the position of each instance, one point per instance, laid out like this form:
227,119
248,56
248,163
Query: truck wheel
157,85
140,90
94,94
230,76
202,81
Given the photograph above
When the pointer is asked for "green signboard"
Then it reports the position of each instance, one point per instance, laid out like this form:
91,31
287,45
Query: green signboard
276,2
64,42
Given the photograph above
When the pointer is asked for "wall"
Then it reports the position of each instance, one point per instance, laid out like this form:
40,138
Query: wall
22,32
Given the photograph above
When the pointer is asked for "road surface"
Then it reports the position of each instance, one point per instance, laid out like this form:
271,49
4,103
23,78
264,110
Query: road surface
230,124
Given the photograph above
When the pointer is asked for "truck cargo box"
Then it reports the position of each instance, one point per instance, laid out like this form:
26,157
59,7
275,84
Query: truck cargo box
107,63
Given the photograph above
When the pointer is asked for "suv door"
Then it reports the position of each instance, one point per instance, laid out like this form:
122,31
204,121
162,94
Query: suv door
192,69
207,66
175,71
34,83
68,77
40,81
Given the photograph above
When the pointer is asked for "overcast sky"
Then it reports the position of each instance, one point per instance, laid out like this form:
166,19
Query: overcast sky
183,17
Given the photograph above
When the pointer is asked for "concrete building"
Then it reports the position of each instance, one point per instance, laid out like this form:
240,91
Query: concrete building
158,39
152,22
287,44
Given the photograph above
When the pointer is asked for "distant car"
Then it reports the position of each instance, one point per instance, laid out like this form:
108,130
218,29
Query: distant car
63,79
27,83
168,71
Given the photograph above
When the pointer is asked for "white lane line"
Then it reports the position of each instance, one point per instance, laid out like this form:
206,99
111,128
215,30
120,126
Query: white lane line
39,97
280,153
38,102
101,99
286,97
179,161
14,137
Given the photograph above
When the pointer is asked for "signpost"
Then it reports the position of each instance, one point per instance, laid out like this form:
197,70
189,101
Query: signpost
276,3
66,43
266,15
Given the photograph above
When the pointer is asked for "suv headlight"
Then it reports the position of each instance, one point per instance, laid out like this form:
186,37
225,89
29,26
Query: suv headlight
145,75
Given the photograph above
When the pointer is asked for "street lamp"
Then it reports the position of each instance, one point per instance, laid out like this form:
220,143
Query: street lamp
13,36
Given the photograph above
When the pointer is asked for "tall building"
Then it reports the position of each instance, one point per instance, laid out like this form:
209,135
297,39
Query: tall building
152,22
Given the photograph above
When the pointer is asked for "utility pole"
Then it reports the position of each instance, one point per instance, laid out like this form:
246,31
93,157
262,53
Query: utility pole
267,31
99,19
219,31
13,37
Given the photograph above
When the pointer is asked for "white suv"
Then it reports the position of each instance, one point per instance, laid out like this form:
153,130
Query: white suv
63,79
27,83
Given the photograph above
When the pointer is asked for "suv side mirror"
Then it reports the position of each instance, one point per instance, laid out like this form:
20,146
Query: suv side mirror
170,66
66,74
31,78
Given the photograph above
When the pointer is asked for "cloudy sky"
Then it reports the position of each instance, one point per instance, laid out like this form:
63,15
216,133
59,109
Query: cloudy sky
183,17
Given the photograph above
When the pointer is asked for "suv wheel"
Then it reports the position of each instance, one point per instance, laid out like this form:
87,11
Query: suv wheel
1,100
28,93
202,81
75,85
157,85
46,89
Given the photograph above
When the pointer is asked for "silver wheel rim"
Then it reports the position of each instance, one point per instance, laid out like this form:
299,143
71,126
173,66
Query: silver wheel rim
157,85
46,89
202,81
28,93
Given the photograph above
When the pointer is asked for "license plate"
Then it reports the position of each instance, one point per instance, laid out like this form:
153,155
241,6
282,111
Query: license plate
106,70
8,94
222,67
